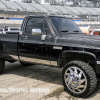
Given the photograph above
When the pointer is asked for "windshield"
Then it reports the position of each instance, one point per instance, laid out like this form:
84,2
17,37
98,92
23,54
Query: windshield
65,25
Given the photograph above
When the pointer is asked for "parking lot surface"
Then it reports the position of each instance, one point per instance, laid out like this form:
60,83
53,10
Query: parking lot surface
36,82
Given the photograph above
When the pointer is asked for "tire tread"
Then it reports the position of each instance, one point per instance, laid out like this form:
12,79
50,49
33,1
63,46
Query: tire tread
91,74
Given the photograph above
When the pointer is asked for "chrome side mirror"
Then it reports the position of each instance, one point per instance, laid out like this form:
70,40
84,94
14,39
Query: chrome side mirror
36,32
43,37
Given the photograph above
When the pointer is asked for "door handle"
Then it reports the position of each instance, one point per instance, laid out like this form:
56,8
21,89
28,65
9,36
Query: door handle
25,37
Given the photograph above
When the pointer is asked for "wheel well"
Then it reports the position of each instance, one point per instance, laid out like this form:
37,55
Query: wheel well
87,58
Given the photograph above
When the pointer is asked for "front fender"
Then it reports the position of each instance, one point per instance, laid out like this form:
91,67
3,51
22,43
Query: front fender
70,55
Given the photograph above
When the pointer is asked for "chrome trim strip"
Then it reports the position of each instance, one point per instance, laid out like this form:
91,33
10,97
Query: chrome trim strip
54,63
57,47
98,62
20,57
40,61
34,60
14,57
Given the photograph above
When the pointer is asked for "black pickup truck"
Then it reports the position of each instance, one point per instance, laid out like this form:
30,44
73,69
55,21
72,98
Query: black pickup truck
55,41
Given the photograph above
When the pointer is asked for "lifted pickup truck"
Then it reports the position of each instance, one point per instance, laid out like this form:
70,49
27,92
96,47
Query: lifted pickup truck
55,41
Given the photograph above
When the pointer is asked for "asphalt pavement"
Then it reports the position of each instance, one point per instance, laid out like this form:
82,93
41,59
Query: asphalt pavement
35,82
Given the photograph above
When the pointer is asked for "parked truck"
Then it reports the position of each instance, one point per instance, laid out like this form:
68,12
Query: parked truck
58,42
85,29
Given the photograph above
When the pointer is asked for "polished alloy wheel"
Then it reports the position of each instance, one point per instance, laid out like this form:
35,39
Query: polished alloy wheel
75,79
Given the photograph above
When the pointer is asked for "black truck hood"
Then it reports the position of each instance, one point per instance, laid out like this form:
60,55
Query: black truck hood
78,40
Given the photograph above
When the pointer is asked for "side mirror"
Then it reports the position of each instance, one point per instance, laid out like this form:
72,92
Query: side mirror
43,37
36,32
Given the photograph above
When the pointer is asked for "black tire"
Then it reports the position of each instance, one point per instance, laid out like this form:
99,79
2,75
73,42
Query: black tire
25,64
2,65
89,74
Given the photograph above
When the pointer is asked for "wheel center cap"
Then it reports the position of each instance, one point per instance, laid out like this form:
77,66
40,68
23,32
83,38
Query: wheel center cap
74,77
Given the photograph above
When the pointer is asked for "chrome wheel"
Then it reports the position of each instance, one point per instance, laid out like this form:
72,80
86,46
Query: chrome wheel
75,80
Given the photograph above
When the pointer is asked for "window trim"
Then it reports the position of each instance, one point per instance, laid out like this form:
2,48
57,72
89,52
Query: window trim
27,23
44,19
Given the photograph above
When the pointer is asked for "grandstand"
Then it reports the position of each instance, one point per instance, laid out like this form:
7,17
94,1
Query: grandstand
22,9
45,8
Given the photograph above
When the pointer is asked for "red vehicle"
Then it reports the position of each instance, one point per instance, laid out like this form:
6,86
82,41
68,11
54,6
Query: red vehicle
95,32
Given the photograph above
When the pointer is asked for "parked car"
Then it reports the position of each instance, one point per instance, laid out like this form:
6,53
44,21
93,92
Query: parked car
55,41
12,30
1,30
95,32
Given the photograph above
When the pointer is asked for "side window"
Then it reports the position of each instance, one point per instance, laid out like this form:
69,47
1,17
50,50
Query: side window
46,29
34,23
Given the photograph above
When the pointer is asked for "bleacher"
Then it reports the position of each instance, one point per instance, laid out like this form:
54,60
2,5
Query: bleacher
36,7
26,6
62,9
96,9
40,8
2,6
51,8
11,5
92,11
82,10
72,10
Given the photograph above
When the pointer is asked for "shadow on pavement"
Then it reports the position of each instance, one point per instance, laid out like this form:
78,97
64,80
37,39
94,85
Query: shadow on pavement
43,73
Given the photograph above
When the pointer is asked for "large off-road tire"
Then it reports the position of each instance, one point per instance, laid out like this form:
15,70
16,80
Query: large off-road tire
79,79
26,64
2,65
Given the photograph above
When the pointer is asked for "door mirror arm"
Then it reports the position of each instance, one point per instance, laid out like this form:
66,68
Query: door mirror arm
43,37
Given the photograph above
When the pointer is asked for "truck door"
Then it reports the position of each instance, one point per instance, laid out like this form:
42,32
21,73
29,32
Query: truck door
31,47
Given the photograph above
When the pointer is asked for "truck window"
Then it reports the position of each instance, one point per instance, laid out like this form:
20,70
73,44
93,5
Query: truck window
46,29
34,23
64,25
